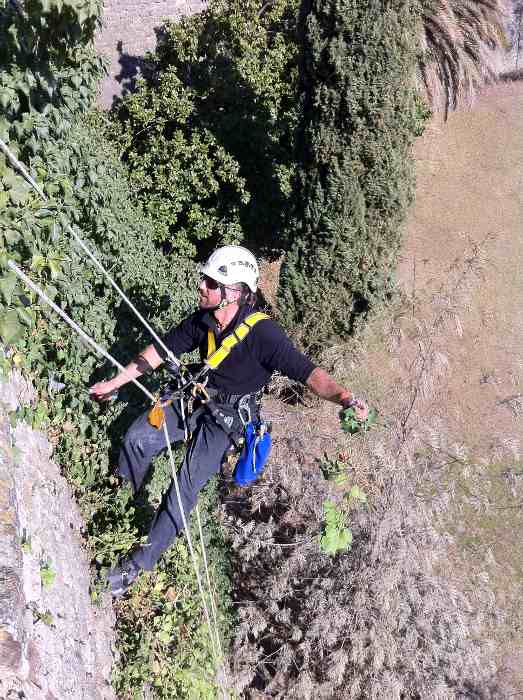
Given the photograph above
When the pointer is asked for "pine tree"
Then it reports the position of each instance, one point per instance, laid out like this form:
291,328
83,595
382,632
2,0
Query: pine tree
355,182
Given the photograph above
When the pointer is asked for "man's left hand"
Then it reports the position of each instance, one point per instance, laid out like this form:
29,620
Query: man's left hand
361,410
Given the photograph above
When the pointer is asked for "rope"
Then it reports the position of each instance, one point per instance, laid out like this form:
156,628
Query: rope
171,357
77,328
22,169
211,594
213,632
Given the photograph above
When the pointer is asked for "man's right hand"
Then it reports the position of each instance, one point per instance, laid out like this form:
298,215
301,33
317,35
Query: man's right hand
102,391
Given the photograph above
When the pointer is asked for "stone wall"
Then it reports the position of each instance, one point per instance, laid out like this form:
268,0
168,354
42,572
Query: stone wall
129,26
513,59
128,32
53,643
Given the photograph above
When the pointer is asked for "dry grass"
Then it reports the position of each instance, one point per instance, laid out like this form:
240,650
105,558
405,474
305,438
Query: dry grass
390,619
427,603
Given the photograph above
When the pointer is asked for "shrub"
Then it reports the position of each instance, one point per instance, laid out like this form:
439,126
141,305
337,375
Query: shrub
208,136
462,42
355,177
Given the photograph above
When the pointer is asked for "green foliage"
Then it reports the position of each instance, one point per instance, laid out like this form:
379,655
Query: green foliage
48,68
47,574
350,424
208,136
65,149
334,469
45,616
355,180
356,494
165,641
336,537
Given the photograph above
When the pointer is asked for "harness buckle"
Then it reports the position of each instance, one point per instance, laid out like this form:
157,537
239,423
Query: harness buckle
200,392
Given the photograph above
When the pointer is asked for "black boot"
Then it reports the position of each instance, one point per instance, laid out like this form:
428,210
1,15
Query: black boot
122,577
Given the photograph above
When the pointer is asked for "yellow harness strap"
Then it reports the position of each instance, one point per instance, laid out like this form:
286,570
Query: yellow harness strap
211,343
216,357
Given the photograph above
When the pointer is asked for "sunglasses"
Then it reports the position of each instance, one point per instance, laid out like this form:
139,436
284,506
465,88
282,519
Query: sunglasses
210,283
213,284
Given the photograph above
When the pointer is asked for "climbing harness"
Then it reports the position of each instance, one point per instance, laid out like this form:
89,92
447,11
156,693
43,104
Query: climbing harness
184,380
173,364
251,439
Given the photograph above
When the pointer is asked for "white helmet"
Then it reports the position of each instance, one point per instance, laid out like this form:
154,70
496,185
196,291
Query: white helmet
232,264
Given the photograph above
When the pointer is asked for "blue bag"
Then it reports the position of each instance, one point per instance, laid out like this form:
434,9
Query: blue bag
258,443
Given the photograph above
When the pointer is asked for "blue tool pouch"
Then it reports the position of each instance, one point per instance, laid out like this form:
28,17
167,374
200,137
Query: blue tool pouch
256,450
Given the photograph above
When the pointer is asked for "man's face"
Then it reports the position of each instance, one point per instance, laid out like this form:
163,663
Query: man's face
210,294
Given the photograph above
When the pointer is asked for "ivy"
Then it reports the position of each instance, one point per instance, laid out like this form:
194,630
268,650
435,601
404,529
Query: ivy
47,85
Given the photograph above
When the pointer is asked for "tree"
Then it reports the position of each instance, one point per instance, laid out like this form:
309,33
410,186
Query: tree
461,43
209,134
355,178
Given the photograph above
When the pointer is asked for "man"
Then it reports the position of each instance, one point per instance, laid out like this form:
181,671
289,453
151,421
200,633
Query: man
226,297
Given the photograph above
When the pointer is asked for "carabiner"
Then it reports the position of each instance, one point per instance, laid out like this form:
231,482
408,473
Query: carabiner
244,407
204,394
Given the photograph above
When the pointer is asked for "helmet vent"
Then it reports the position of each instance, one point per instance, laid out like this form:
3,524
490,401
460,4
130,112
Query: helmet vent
223,269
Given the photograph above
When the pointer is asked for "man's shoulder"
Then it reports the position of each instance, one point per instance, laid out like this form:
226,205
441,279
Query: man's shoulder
267,329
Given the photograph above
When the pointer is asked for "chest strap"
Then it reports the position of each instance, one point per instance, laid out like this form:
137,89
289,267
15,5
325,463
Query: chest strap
216,356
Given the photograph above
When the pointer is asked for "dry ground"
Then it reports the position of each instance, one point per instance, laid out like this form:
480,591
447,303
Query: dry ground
463,255
470,191
444,366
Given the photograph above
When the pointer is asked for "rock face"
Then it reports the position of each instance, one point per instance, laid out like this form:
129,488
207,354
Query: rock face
53,643
128,32
512,61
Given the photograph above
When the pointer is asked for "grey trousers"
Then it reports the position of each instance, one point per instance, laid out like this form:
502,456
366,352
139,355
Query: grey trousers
202,460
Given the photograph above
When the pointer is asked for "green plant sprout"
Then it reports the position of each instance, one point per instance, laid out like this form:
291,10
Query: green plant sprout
355,494
47,575
350,424
336,536
45,617
334,470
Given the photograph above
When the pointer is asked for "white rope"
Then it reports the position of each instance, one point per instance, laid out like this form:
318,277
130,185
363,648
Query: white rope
77,328
22,169
211,596
213,632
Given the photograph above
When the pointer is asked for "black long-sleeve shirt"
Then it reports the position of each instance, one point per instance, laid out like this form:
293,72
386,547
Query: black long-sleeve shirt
249,366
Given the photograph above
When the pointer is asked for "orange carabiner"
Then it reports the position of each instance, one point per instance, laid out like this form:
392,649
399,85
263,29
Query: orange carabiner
156,415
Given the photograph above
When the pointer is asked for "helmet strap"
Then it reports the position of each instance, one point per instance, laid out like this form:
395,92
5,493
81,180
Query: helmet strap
223,303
